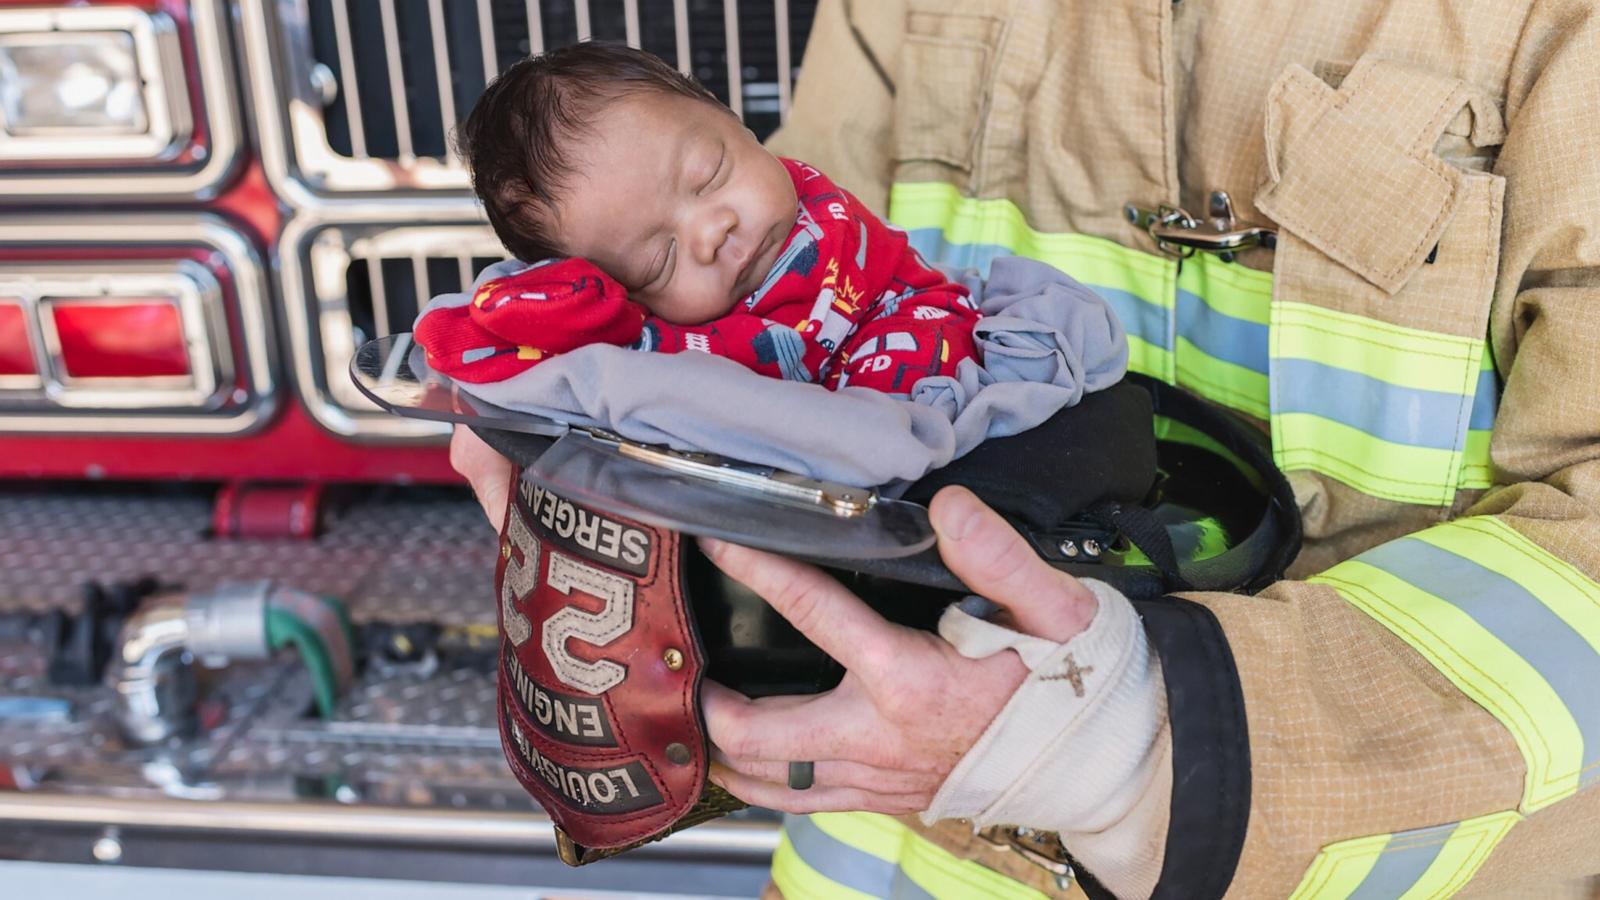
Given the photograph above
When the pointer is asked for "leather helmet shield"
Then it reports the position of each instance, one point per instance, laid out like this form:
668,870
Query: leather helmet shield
599,669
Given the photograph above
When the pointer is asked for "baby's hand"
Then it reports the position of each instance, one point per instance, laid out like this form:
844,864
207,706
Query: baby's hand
513,323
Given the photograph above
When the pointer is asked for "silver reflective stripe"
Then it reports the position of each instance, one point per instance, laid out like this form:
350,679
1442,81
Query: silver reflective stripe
1485,402
1228,338
837,861
1401,415
843,864
1514,616
931,243
1404,859
1139,317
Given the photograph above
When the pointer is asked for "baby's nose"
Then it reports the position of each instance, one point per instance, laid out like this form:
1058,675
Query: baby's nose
712,232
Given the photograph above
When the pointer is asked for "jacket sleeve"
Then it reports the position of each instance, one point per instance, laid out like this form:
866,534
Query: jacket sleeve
1427,713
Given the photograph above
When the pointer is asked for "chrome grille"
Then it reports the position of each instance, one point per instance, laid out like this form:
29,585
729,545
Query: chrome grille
377,86
355,100
368,281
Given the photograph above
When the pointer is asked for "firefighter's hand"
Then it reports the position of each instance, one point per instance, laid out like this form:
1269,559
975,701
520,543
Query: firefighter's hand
910,706
488,472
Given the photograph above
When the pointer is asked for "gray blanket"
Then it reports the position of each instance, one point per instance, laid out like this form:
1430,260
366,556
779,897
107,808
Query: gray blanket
1045,341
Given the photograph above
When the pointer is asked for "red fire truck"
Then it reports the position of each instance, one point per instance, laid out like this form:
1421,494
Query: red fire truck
205,206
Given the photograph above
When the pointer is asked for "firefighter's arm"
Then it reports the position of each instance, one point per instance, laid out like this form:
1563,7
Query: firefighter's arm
1427,714
841,119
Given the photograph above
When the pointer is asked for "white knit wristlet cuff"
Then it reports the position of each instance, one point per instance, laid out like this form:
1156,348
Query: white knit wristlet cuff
1075,749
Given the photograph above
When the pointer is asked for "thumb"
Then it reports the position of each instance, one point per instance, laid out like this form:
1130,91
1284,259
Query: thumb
996,562
487,471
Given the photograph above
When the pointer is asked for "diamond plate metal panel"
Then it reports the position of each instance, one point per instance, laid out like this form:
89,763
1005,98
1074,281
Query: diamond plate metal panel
392,556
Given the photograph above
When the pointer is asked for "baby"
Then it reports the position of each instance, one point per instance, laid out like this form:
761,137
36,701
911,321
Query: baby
662,224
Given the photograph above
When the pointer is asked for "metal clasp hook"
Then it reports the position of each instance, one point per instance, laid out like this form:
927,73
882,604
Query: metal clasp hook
1179,234
1042,848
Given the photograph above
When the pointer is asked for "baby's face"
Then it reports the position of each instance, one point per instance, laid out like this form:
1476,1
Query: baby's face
675,199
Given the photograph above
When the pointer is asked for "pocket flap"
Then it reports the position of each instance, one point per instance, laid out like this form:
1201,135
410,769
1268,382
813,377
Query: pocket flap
1352,171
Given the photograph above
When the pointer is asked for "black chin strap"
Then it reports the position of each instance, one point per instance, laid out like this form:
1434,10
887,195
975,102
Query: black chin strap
1140,527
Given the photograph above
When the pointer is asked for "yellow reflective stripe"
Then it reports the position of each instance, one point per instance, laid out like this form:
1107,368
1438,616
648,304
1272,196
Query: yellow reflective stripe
1340,868
1226,383
1462,855
1092,260
933,869
1381,468
1148,359
1401,356
1378,406
1413,865
1495,545
1169,429
996,226
947,877
1228,288
879,835
1381,407
798,881
1476,469
1479,665
1510,624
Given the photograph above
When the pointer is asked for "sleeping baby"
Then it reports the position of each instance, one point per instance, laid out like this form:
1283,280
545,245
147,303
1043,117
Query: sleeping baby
656,221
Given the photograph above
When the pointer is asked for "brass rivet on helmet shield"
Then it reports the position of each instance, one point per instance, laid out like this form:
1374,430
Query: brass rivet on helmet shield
678,754
505,549
673,658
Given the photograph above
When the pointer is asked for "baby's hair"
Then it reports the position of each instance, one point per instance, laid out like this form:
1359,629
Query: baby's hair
516,140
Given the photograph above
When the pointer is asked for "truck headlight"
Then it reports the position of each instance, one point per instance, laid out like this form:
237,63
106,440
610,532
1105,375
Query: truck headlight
84,83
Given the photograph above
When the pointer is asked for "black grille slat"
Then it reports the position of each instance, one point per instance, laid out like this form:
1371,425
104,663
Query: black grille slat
560,21
325,47
657,34
444,276
510,18
420,76
420,83
466,56
358,294
372,79
606,22
400,290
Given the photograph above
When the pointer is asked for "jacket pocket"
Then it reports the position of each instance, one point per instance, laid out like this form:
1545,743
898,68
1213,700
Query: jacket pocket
942,87
1385,271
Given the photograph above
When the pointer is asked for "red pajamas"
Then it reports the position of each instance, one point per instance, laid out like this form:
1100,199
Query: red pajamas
848,303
